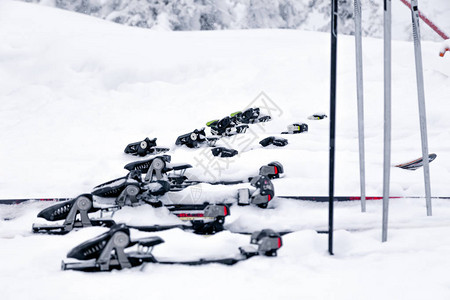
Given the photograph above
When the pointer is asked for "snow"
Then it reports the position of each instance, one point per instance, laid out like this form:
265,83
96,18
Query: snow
445,47
76,90
252,14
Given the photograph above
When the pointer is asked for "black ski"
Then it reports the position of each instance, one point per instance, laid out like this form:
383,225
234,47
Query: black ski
204,218
107,251
351,198
21,200
417,163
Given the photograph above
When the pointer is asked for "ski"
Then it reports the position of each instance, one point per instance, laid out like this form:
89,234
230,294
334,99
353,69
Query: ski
362,228
305,198
416,163
352,198
22,200
106,252
204,218
126,186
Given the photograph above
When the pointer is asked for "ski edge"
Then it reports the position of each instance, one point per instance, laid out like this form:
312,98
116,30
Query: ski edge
22,200
352,198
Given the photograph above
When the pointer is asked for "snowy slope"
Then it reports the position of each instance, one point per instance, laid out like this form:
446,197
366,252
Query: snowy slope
75,90
245,14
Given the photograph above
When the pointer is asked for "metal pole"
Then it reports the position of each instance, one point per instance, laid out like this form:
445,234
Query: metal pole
421,97
387,116
334,15
360,101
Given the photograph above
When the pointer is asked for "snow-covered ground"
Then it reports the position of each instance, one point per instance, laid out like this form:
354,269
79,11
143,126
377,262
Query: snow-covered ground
251,14
76,90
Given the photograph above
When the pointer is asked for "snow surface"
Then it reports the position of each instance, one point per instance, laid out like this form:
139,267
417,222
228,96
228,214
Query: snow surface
251,14
445,47
76,90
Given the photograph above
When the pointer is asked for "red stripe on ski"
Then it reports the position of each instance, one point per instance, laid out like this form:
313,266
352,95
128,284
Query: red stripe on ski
351,198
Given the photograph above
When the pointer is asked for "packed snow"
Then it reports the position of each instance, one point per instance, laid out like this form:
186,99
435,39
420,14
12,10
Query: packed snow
445,47
76,90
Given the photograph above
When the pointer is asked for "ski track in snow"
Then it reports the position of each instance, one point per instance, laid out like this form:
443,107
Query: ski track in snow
76,90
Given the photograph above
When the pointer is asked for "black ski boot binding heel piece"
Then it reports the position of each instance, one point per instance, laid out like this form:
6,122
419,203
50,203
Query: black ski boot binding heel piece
223,152
296,128
272,140
260,196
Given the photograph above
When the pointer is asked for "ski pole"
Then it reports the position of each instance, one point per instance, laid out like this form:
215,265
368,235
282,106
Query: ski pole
387,116
360,102
421,98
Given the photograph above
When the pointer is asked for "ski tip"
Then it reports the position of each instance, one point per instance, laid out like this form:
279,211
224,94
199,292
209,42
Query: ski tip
417,163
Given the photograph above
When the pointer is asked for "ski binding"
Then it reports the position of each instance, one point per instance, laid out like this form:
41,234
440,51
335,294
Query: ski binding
226,127
272,140
318,116
204,218
250,116
158,168
195,138
144,147
224,152
296,128
260,196
74,213
131,190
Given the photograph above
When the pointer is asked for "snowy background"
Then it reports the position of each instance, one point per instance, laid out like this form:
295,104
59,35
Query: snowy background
75,90
245,14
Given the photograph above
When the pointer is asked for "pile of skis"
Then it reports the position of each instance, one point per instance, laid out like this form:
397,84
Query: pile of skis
233,124
146,183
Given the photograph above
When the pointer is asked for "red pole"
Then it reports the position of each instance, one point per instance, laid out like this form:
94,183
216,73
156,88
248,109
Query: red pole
428,22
